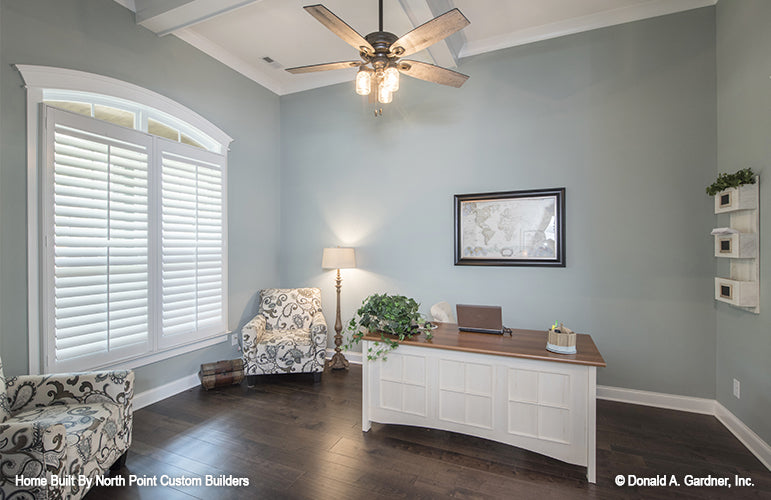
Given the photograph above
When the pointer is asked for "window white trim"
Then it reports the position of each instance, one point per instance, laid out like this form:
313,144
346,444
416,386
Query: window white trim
46,77
40,78
141,114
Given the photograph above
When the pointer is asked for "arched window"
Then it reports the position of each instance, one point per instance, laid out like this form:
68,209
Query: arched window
128,223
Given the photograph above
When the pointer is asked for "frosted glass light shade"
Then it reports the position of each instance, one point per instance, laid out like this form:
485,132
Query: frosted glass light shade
384,96
338,258
364,81
391,79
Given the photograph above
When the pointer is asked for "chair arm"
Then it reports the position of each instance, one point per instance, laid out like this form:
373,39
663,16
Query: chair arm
31,450
30,391
251,334
319,330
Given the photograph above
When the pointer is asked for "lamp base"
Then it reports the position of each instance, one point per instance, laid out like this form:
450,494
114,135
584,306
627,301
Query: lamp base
338,362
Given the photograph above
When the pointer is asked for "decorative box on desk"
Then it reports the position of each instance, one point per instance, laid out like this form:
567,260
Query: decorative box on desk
221,373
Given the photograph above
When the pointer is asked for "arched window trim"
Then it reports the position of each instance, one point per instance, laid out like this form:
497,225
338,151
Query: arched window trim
45,79
141,114
37,80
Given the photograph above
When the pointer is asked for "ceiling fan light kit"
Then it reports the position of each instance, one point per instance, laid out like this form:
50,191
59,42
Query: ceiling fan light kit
364,81
381,52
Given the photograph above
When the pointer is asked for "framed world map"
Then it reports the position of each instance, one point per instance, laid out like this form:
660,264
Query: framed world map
512,228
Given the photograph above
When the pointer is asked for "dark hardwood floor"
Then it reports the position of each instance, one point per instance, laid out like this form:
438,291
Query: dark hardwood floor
295,439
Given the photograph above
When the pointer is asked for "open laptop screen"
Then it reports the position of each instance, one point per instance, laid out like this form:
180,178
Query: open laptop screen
482,319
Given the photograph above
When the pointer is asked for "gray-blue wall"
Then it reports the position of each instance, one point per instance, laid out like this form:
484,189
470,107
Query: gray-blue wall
744,140
100,36
622,117
630,119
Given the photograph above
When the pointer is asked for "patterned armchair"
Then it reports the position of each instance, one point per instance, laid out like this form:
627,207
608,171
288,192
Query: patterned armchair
288,335
65,425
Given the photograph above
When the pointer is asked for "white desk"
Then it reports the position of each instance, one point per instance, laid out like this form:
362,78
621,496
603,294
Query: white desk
507,389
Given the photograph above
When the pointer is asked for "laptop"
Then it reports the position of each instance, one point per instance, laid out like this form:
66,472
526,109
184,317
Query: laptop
480,319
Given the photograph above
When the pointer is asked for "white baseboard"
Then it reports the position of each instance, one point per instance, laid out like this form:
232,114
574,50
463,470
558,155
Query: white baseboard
156,394
657,399
744,434
747,436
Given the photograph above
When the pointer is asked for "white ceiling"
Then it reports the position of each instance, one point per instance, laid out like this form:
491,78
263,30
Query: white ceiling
239,33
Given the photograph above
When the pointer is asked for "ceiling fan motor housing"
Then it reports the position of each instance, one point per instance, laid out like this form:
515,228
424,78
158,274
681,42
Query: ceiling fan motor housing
381,41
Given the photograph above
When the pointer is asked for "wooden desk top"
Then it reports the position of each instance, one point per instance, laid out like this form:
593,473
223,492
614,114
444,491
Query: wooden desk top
530,344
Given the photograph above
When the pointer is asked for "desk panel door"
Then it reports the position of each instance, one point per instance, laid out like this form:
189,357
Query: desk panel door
399,388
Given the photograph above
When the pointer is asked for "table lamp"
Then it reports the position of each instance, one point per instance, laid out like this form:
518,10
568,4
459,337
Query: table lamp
338,258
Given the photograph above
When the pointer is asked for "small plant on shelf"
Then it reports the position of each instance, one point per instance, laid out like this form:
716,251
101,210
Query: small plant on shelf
393,317
725,181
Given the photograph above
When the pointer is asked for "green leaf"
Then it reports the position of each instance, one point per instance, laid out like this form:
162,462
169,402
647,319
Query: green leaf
725,181
388,315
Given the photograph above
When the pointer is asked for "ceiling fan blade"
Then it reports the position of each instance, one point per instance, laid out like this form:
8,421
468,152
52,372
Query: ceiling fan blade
339,28
429,33
324,67
431,73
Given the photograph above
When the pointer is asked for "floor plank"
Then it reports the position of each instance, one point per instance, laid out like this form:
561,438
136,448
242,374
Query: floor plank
295,439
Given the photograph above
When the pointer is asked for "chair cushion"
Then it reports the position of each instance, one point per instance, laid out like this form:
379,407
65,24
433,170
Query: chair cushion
287,337
286,351
91,427
5,405
289,308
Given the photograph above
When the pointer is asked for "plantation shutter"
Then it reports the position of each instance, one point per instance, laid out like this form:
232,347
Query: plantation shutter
98,241
135,244
192,243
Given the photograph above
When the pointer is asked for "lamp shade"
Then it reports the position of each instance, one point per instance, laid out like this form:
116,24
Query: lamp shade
338,258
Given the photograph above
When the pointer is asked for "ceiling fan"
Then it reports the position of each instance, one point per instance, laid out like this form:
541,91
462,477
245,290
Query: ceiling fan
381,52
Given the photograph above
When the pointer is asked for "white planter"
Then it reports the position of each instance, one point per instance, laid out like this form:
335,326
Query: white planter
737,293
736,245
742,198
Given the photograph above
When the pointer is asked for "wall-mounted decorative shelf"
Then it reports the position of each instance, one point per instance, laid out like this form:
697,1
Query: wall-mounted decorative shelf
739,242
736,245
742,198
737,293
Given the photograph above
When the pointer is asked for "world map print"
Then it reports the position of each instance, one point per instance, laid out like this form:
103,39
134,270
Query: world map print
509,229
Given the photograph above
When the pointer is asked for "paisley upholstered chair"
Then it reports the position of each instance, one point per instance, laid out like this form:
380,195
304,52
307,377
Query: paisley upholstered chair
66,425
288,335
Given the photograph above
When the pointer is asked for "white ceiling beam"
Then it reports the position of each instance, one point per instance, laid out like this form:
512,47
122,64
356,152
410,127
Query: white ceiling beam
421,11
457,40
168,16
129,4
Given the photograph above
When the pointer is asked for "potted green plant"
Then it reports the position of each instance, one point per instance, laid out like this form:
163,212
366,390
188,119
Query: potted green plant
725,181
393,317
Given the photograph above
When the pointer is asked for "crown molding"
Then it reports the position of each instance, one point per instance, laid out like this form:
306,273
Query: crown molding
222,55
613,17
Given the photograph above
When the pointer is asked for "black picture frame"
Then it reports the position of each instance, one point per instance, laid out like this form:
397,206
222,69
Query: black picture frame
540,250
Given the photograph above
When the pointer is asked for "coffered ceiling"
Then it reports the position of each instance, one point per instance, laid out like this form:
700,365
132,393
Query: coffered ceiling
243,33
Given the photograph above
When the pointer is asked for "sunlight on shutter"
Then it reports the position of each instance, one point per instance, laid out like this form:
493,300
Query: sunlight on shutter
100,243
192,243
